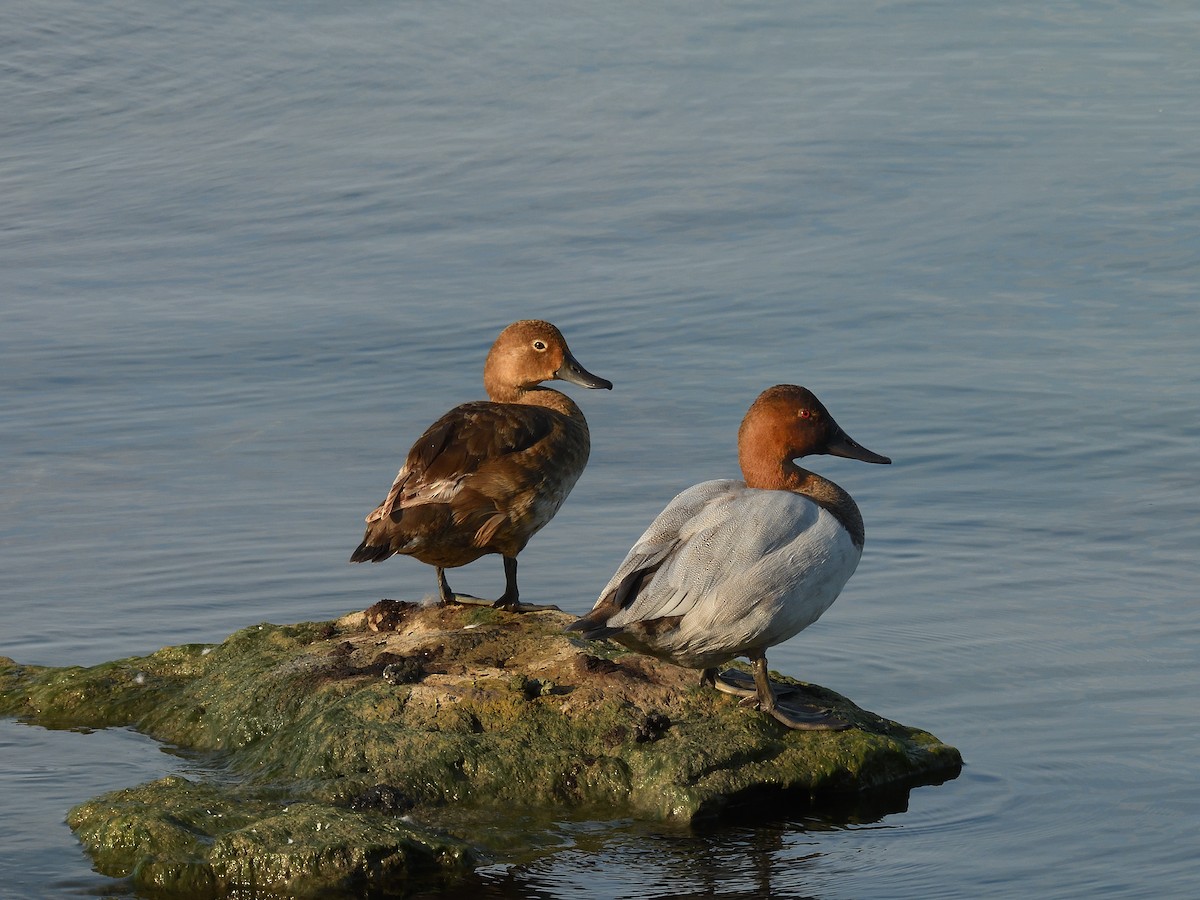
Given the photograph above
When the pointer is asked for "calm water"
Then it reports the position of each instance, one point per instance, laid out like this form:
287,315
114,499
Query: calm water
249,251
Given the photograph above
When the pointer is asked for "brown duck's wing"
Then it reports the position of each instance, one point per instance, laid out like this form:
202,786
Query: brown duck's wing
457,446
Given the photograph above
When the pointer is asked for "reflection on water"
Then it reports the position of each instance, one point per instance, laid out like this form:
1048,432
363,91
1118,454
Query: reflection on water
762,852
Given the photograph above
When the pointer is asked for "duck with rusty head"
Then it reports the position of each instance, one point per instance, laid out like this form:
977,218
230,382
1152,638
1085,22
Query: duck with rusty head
732,568
488,475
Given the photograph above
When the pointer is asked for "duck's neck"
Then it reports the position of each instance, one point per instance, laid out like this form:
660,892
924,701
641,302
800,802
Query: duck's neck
537,396
787,476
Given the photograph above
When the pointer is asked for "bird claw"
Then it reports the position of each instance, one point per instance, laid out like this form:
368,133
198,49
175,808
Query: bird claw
741,684
797,716
467,600
507,606
806,718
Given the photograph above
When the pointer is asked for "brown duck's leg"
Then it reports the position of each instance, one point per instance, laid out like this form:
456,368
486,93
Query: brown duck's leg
444,591
794,715
509,599
708,678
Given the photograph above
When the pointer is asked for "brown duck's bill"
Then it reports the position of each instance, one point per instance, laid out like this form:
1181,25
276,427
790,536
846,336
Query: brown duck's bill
841,444
573,372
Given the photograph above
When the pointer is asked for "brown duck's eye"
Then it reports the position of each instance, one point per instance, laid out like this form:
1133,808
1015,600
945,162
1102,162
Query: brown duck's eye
539,346
804,414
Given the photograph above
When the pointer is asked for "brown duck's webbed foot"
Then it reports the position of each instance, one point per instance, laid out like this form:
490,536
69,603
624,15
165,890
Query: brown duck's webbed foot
798,716
508,601
708,678
446,595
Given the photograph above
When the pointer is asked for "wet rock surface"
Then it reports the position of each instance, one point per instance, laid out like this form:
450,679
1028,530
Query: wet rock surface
353,755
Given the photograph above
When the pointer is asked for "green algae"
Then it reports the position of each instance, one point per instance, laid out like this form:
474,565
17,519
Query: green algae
175,836
466,714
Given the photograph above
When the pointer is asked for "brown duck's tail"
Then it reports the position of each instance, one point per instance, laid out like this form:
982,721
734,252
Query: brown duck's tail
367,552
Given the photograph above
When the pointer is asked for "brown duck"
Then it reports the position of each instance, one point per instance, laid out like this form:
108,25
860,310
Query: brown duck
488,475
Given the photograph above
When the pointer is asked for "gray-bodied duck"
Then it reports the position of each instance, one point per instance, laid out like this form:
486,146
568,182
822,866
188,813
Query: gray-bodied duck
731,568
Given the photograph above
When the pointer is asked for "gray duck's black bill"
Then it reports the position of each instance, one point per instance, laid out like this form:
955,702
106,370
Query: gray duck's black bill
841,444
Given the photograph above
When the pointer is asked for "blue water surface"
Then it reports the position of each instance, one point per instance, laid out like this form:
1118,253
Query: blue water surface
249,251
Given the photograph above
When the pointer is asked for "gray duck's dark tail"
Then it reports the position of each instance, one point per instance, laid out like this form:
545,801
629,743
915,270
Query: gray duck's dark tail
594,626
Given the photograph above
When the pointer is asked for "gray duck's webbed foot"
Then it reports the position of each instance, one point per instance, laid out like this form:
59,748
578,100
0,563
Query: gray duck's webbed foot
795,715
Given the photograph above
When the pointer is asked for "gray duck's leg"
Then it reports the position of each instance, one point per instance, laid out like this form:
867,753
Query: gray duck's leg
801,717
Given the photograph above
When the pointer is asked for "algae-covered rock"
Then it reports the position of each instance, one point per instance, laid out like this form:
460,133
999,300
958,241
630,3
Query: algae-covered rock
355,746
202,840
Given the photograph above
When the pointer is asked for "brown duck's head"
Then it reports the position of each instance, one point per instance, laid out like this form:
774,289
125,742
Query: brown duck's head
786,422
529,352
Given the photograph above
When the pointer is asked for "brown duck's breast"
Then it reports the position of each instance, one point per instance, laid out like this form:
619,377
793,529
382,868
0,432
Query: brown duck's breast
484,478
